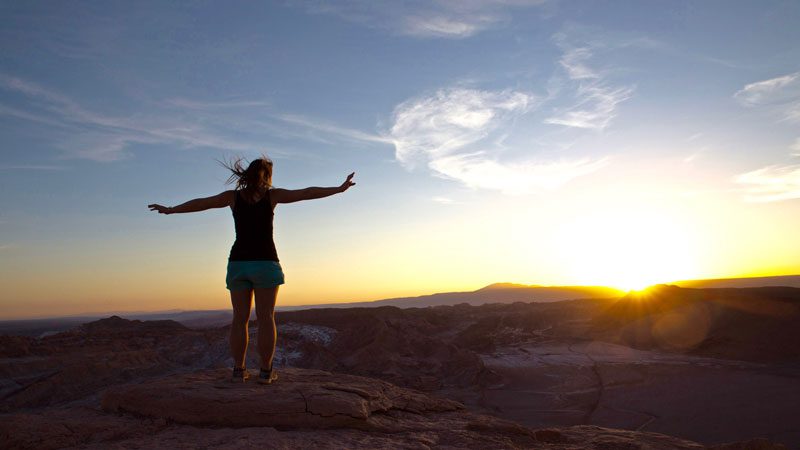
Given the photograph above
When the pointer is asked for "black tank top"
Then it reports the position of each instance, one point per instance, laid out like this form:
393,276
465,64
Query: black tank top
253,230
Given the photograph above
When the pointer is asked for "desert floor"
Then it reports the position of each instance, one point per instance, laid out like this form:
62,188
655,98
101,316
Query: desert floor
703,399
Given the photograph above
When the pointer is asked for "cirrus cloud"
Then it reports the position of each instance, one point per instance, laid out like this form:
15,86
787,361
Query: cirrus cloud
595,99
449,19
774,90
454,133
780,93
84,133
771,183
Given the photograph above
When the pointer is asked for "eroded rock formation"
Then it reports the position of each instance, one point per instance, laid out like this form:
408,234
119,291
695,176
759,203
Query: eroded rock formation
304,409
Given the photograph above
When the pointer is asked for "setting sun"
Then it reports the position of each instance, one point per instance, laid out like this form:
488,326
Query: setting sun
630,250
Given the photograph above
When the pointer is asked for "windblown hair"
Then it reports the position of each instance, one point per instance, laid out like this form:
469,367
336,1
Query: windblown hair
257,175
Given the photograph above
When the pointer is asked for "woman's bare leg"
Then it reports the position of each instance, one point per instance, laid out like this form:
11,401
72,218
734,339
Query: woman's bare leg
267,333
242,301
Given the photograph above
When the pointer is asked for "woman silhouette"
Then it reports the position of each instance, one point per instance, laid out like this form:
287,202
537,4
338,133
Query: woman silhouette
253,265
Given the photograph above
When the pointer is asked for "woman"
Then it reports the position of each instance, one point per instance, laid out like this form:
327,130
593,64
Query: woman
253,265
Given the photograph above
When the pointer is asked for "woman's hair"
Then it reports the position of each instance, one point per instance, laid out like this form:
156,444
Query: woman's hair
256,176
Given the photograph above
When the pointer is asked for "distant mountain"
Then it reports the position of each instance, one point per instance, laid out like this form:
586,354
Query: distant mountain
49,326
493,293
785,280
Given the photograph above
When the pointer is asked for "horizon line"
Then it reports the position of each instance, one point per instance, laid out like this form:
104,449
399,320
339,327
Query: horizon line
103,314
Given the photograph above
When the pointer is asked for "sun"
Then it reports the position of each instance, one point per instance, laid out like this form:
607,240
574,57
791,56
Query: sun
629,250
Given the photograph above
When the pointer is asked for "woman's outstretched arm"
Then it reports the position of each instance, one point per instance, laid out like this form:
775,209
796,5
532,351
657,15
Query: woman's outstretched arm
199,204
310,193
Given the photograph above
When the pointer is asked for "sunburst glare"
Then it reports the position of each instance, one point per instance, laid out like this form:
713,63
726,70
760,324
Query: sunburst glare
630,250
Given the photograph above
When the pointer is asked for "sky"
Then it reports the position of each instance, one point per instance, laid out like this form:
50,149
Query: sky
547,142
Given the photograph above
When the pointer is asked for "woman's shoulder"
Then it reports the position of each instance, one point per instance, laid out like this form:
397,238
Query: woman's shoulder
273,191
230,196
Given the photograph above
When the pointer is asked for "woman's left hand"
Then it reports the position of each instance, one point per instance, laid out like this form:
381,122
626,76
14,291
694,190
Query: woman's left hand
160,209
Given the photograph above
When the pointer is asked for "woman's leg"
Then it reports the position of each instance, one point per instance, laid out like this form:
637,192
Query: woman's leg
242,301
267,334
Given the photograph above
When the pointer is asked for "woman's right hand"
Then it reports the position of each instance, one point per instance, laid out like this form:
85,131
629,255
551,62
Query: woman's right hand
348,182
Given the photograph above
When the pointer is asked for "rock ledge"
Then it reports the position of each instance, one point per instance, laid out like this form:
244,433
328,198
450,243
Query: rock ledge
300,399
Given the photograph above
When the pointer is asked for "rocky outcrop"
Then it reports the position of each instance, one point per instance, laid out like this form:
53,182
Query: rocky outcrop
301,399
752,324
400,346
304,409
78,363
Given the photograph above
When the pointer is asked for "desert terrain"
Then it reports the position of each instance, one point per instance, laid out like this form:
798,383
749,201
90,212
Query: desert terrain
668,368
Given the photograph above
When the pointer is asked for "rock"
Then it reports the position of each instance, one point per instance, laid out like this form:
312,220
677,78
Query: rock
69,428
78,363
750,444
400,346
549,435
300,399
594,437
748,324
303,409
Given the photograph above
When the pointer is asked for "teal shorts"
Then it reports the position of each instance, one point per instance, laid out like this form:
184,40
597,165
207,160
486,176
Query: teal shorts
247,275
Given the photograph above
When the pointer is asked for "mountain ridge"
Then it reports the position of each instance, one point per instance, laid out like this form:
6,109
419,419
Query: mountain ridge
488,294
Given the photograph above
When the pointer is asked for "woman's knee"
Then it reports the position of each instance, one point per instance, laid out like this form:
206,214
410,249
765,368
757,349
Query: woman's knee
239,327
265,313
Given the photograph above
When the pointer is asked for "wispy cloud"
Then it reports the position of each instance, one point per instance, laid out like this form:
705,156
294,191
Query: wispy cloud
691,158
695,137
454,133
450,120
574,60
476,171
780,93
31,167
596,108
330,128
52,106
98,137
103,137
443,200
772,183
441,27
190,104
596,100
6,110
795,147
450,19
774,90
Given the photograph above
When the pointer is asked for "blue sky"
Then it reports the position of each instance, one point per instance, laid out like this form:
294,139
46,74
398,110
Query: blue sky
468,123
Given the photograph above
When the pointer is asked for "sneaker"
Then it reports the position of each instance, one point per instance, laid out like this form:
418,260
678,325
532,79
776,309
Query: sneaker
267,376
240,375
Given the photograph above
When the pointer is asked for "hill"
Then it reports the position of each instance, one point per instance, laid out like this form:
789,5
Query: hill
494,293
784,280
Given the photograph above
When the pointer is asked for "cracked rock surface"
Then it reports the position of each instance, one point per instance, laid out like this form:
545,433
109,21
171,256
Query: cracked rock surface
303,409
301,398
